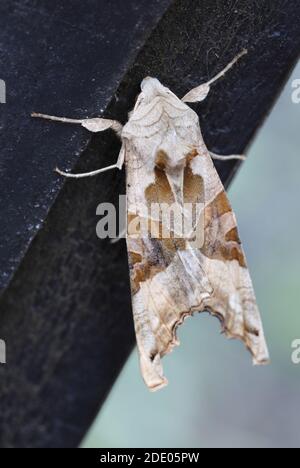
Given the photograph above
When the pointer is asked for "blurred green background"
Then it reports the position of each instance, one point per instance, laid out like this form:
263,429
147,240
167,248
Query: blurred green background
215,397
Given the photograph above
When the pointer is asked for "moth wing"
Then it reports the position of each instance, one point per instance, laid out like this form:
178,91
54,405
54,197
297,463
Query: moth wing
172,278
162,291
233,299
172,273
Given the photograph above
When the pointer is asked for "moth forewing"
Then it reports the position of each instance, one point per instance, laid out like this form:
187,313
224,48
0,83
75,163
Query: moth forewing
174,276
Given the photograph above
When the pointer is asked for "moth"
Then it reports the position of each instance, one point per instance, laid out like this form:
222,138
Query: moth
172,275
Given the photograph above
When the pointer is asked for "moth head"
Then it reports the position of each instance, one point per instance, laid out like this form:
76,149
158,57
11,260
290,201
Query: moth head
152,87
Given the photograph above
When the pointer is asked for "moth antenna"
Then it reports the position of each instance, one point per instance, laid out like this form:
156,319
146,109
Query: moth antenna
229,66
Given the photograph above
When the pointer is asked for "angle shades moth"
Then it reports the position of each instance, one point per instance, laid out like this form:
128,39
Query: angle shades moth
167,162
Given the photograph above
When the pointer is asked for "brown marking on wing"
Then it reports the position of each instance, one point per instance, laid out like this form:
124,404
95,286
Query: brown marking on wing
190,156
193,187
157,255
161,160
218,244
217,208
135,258
233,236
159,251
142,272
233,252
160,191
173,245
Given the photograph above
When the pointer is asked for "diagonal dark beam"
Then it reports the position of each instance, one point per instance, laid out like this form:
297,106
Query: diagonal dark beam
65,304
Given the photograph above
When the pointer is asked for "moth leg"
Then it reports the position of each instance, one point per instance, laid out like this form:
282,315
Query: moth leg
230,157
93,125
119,164
200,93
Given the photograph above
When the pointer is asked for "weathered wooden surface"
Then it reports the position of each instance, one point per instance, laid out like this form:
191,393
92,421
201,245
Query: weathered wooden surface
65,305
